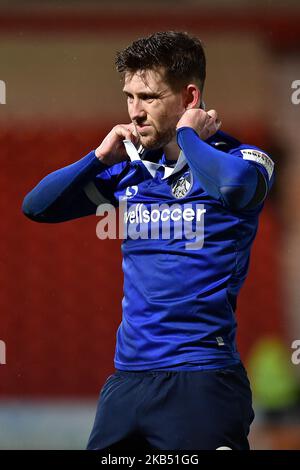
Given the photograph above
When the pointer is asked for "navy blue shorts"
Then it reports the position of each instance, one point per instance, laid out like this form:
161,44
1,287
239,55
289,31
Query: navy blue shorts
174,410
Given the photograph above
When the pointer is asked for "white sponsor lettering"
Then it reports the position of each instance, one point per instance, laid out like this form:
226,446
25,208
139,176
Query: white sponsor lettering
259,157
138,213
156,221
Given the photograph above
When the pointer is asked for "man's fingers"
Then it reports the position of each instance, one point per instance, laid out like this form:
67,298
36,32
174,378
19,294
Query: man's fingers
211,126
213,113
128,132
134,130
213,120
124,131
136,137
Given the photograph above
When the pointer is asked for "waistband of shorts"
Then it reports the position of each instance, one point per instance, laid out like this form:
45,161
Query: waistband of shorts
169,372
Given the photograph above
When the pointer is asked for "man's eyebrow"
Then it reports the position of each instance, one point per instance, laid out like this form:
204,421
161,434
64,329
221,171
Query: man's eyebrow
141,94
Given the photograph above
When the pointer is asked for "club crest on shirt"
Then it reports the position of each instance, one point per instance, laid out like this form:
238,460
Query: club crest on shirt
182,186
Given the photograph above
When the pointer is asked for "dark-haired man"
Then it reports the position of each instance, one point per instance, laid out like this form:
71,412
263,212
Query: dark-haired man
193,195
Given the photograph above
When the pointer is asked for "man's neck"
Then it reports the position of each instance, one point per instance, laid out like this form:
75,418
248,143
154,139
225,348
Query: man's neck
172,150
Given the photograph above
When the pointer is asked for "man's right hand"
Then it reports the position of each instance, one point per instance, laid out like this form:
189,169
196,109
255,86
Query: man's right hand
112,149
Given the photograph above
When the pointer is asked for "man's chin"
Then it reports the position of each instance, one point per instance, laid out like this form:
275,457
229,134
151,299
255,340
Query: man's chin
149,143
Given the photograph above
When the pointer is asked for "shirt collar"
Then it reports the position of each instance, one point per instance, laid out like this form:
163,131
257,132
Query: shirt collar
152,167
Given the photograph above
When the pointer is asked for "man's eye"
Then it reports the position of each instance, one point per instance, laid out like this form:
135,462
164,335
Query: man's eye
149,99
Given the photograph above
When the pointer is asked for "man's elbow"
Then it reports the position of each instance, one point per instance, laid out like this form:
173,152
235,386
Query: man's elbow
246,193
241,191
235,197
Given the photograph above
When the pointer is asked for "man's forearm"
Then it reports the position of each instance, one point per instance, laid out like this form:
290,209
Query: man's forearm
223,176
60,196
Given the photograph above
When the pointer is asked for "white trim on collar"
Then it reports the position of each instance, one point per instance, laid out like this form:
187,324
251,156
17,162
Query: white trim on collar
153,167
181,162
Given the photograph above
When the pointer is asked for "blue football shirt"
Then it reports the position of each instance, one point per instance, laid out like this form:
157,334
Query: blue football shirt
189,226
185,257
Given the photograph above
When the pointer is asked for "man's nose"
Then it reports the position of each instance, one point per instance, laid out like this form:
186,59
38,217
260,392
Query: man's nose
137,110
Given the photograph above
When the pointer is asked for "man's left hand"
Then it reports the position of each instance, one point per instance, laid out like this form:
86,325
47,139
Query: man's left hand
204,123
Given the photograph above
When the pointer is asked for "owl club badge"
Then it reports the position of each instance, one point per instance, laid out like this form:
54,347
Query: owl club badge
182,186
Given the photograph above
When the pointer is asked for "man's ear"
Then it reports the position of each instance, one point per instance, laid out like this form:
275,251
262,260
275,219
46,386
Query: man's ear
192,96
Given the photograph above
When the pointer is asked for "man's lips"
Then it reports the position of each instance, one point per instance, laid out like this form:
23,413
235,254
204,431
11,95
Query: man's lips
142,127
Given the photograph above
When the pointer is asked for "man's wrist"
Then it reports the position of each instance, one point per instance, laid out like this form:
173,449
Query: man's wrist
100,157
98,154
190,128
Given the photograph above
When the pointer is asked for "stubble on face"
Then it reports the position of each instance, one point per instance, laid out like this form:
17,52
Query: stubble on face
162,124
157,139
